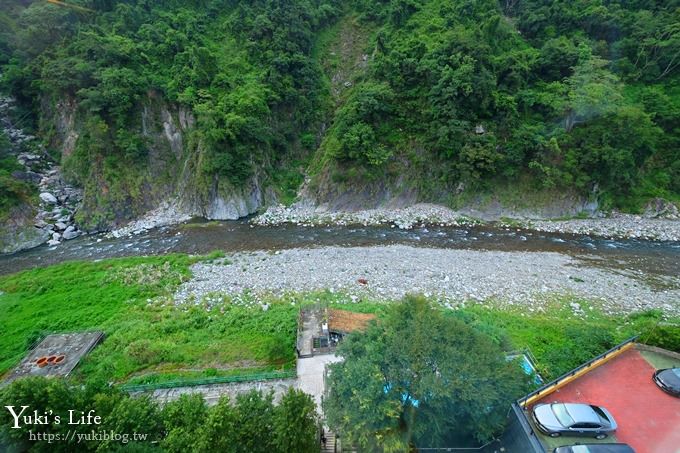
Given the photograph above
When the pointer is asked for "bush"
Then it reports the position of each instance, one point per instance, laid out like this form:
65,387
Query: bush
664,336
581,343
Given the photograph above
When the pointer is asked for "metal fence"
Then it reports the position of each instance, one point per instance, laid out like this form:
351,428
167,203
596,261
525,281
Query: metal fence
254,377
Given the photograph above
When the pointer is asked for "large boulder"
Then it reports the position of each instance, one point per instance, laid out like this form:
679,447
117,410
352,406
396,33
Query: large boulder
70,233
48,198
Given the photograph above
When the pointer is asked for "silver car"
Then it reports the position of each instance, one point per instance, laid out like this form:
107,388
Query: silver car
571,419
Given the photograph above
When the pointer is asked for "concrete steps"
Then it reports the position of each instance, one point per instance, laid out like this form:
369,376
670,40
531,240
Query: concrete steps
329,446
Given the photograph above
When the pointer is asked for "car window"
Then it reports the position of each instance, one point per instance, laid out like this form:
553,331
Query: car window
562,415
601,414
586,426
676,371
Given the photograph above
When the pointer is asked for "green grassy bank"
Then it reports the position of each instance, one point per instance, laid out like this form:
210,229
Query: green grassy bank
149,338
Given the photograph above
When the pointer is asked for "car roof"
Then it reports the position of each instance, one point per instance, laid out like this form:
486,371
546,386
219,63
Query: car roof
602,448
582,413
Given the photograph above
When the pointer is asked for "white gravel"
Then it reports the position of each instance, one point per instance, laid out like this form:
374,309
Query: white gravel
404,218
454,276
615,226
167,213
618,226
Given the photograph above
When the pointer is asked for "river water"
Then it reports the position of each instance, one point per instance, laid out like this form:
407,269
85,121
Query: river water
661,259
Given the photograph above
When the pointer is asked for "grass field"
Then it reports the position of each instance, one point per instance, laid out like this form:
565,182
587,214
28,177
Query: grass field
149,339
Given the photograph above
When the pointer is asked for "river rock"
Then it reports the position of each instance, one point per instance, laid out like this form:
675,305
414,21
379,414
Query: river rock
53,242
70,232
48,198
56,236
27,176
61,226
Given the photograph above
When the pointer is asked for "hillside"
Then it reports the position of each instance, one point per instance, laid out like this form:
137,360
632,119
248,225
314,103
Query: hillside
219,107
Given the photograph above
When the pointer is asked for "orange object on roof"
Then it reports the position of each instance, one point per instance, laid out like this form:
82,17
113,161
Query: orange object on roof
344,321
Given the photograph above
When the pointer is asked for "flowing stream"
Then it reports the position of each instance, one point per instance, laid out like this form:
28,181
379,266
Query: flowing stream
659,262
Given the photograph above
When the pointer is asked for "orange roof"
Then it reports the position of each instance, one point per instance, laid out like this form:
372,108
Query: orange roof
346,321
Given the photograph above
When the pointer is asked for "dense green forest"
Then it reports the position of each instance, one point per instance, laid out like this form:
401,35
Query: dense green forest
564,94
548,95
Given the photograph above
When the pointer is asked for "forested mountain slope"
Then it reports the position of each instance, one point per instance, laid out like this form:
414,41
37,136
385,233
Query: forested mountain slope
224,106
468,96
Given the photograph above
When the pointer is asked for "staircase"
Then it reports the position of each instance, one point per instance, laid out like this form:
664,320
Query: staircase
329,446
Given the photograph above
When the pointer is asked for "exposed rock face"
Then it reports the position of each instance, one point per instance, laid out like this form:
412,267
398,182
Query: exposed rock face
658,208
19,233
236,203
48,198
397,193
168,188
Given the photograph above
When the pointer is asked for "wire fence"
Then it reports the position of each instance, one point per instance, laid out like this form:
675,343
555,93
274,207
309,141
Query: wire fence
254,377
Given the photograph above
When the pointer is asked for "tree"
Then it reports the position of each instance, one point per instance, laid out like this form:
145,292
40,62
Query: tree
219,429
295,423
419,378
182,420
593,92
250,423
255,412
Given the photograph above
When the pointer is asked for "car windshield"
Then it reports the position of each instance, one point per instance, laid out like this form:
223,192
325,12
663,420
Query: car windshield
562,415
580,449
601,414
676,371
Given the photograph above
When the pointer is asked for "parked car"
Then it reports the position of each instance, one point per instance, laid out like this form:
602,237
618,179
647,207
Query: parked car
572,419
595,448
668,380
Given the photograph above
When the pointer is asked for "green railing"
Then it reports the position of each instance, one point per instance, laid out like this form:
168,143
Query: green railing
264,376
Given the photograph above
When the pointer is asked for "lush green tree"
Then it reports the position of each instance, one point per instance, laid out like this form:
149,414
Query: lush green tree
182,420
611,150
434,70
417,378
593,92
256,414
295,423
250,423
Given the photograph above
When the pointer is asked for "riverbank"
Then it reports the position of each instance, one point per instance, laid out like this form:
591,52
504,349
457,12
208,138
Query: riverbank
619,226
455,277
153,337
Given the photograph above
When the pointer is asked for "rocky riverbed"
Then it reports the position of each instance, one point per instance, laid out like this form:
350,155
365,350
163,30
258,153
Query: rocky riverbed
404,218
526,279
617,226
659,223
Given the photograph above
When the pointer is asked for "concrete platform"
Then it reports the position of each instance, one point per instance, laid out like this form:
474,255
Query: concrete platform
71,346
310,375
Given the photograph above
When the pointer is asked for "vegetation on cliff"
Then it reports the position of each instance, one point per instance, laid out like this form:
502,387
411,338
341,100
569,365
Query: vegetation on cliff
12,190
567,95
453,97
243,68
